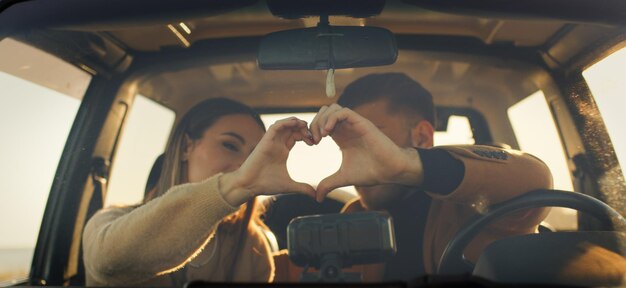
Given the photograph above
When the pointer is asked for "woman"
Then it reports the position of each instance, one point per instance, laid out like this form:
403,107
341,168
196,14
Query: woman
197,224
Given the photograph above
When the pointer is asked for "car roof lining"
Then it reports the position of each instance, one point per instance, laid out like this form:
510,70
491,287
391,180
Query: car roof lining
225,73
611,12
299,91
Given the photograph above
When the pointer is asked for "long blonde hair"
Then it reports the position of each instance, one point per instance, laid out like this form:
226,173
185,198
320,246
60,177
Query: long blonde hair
192,125
174,170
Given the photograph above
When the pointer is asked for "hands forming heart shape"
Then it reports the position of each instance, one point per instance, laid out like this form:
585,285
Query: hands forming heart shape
369,157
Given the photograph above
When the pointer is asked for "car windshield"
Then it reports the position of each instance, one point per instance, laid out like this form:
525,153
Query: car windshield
94,105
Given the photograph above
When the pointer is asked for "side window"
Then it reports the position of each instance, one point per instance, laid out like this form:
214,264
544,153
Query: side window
537,134
39,100
459,131
607,82
143,139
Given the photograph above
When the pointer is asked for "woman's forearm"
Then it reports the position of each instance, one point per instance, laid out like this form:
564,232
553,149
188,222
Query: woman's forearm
125,245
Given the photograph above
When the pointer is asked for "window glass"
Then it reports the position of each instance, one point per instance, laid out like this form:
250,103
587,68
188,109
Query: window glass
537,134
459,131
607,82
143,139
39,100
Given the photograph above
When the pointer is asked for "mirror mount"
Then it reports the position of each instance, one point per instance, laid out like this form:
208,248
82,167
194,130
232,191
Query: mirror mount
323,28
324,32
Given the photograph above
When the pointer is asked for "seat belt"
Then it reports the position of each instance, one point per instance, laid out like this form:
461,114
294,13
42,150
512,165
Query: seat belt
99,177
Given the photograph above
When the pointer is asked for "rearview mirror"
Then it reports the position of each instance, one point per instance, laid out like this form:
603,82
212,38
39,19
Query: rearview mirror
327,47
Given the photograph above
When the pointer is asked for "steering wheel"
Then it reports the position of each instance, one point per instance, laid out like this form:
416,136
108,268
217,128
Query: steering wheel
452,260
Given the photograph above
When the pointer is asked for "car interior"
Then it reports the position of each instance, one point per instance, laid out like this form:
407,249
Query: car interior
478,58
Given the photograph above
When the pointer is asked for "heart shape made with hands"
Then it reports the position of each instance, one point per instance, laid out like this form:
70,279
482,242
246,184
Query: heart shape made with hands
368,157
311,164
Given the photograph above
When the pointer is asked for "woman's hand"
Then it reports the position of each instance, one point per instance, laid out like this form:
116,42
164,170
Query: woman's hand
265,170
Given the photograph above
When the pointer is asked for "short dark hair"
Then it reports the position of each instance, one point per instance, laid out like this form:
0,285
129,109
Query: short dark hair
403,93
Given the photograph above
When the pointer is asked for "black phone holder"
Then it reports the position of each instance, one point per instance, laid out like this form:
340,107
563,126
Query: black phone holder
329,243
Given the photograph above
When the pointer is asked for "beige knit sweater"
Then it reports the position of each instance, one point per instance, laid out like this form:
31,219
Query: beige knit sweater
143,245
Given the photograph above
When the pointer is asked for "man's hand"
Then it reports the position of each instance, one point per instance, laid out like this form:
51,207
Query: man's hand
265,170
369,156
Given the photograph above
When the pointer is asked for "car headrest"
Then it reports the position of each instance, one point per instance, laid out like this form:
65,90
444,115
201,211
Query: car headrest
155,172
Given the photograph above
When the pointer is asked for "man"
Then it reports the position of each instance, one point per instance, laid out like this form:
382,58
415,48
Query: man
383,124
